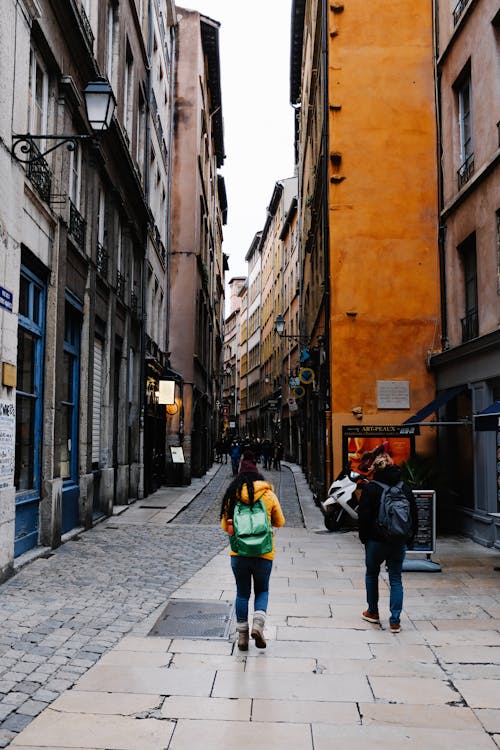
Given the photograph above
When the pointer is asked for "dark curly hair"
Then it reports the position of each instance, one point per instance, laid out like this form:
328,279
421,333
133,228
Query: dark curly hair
233,492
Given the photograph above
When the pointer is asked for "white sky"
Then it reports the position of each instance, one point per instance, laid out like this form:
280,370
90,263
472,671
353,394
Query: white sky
254,40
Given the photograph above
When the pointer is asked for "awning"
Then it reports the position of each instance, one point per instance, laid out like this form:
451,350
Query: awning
436,404
489,418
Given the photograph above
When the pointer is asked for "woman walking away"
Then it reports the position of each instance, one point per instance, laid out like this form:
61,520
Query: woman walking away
248,488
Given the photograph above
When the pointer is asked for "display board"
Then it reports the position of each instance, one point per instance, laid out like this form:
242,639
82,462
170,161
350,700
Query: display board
425,540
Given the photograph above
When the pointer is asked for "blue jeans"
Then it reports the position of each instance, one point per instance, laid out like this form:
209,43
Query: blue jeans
245,569
375,554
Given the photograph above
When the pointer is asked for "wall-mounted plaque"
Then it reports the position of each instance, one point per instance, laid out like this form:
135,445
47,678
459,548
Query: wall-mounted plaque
393,394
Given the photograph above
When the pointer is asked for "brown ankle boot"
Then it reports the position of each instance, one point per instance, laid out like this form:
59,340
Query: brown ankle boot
259,620
242,630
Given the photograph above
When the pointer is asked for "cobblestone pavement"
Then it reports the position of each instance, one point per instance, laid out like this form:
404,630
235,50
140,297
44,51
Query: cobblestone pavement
62,612
205,509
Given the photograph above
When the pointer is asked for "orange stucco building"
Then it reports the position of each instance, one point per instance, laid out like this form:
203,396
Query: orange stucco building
363,85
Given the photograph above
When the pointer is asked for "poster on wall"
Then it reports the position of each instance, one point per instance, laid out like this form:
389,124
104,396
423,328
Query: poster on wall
7,443
362,443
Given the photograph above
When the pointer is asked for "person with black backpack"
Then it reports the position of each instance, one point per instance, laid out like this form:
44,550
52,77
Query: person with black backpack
388,521
249,511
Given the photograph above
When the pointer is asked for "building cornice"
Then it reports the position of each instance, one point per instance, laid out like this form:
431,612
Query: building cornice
484,343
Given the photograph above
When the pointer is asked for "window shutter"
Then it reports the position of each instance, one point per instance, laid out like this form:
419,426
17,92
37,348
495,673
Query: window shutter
96,401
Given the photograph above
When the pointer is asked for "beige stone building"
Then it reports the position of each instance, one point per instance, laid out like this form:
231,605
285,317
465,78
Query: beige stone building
197,264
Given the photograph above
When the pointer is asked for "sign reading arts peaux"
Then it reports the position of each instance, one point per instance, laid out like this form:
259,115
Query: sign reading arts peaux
425,540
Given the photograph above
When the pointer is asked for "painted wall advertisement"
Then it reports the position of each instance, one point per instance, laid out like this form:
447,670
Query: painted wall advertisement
7,443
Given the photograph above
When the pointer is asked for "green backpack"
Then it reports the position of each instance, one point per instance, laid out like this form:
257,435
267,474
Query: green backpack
253,535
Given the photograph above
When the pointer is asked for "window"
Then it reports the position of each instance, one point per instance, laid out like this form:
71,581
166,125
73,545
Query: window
75,176
470,327
141,127
29,382
128,92
111,34
38,95
465,119
69,403
27,465
463,88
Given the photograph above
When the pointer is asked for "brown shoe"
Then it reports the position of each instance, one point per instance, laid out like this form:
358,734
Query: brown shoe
242,630
371,617
259,620
395,628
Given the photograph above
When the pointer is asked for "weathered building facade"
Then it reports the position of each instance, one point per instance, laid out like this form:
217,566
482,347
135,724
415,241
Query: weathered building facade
86,314
368,207
468,369
197,264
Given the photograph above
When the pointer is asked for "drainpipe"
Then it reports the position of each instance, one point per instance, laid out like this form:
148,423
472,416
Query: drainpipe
441,227
326,235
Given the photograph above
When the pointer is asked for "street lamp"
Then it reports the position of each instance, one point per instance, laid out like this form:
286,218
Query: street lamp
279,327
100,105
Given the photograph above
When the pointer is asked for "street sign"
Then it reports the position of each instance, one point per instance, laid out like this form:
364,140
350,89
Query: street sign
6,299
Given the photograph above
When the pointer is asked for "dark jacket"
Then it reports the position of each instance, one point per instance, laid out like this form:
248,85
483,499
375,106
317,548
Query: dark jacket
369,504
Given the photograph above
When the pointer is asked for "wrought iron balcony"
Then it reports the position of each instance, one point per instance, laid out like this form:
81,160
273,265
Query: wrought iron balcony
466,171
459,9
76,225
86,26
120,286
470,326
101,260
38,171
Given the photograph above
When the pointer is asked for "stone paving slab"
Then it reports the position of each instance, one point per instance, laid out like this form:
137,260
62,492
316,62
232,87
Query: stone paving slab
56,730
352,687
394,737
217,735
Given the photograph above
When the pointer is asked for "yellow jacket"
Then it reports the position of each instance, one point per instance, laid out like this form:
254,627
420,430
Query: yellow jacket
264,491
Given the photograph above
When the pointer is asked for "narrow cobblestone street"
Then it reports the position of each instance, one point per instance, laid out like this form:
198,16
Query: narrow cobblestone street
62,612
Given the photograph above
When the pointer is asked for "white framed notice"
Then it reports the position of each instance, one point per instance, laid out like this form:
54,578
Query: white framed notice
177,454
393,394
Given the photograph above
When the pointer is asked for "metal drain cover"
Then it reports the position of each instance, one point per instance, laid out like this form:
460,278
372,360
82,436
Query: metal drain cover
183,618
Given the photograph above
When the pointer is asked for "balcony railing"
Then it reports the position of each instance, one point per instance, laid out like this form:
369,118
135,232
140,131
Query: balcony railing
470,326
86,25
76,225
38,172
466,171
120,286
101,260
459,9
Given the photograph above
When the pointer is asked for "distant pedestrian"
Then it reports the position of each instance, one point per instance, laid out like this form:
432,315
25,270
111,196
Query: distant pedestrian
377,547
235,454
267,453
277,455
248,487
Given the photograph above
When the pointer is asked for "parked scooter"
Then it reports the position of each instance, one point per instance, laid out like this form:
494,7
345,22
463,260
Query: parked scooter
339,508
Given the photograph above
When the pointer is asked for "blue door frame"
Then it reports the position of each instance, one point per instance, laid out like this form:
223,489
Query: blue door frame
27,475
69,415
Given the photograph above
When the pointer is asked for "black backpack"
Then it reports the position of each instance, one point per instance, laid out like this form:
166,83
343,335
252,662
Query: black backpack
394,522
